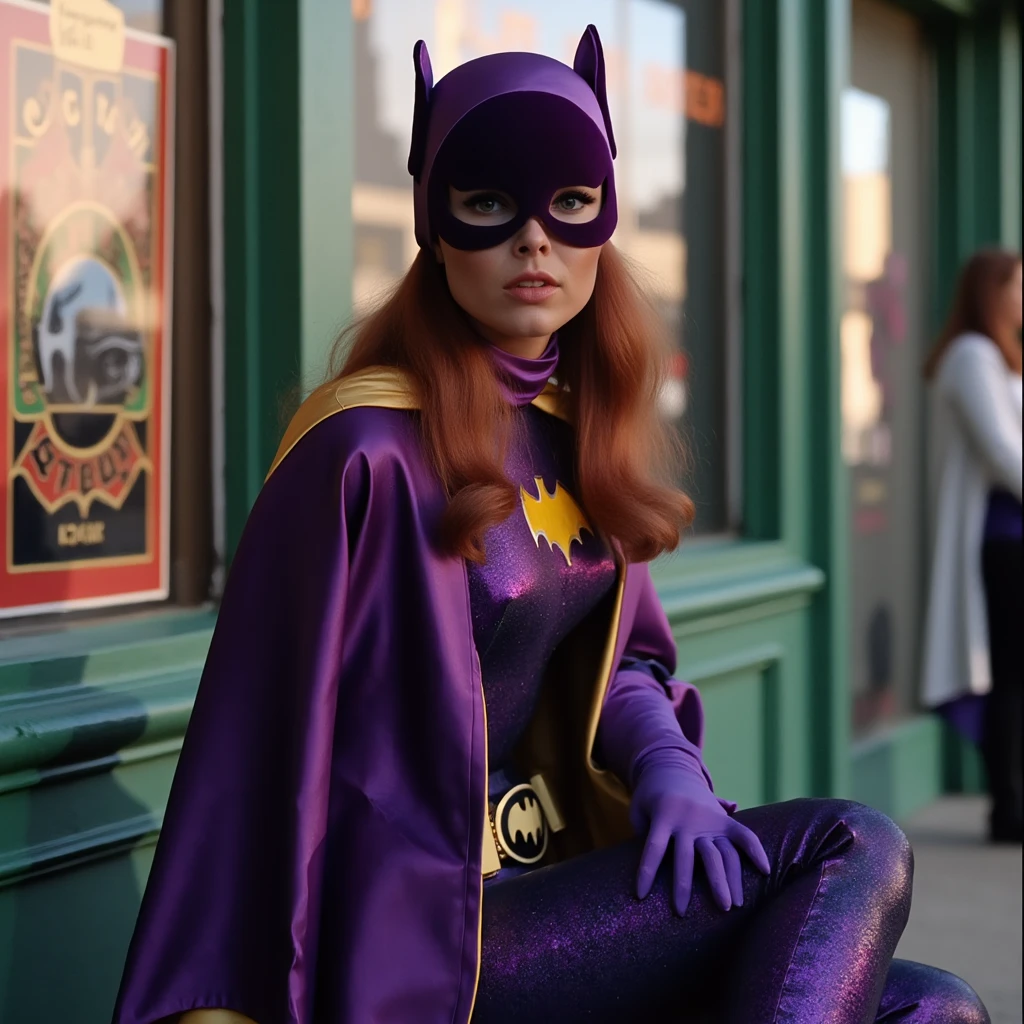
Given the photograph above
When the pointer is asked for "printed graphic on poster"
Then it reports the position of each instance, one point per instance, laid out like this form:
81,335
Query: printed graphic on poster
86,129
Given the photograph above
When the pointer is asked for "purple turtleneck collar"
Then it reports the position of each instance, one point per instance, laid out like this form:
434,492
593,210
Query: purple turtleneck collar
524,379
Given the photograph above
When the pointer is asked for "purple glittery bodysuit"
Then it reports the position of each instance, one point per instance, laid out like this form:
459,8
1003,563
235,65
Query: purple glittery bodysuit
812,943
530,592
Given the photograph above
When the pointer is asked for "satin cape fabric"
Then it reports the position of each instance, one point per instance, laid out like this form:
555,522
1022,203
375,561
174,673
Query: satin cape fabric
321,853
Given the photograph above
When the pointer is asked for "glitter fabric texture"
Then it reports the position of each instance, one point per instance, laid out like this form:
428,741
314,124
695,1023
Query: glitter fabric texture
527,597
812,944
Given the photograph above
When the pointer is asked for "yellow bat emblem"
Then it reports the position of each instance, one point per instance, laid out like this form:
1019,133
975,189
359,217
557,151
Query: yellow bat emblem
525,823
555,517
519,825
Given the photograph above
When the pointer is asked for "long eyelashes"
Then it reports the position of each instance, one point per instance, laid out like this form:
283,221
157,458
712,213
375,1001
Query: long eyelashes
581,197
478,198
474,201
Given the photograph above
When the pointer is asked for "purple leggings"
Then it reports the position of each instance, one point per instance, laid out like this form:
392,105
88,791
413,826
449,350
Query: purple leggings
812,943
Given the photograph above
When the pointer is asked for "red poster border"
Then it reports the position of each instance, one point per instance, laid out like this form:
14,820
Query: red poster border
55,589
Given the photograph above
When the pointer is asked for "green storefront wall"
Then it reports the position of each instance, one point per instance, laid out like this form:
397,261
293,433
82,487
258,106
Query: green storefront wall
92,715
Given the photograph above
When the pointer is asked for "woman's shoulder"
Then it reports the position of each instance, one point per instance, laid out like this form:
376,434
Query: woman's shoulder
973,345
970,350
370,414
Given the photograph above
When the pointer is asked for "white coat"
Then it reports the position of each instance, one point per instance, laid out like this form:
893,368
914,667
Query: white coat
978,421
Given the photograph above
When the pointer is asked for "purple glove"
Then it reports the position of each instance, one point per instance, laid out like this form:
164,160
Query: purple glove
641,739
672,800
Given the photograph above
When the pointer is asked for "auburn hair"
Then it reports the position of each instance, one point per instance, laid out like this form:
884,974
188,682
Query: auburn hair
612,358
974,307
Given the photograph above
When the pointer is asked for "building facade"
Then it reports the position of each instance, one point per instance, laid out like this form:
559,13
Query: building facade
798,181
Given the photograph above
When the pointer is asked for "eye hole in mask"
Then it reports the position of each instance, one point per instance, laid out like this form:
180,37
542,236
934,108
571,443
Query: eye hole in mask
576,204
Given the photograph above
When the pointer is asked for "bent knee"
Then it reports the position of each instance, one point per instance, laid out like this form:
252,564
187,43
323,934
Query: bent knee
876,832
938,996
879,843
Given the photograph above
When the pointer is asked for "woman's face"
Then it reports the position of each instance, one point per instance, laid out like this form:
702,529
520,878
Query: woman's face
522,291
1010,301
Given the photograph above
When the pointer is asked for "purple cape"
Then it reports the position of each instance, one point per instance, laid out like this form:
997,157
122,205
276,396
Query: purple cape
321,852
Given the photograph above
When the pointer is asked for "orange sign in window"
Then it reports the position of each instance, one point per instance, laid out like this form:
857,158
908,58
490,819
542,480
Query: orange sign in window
698,97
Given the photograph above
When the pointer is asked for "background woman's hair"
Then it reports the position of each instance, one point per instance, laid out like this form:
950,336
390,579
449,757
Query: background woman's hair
612,357
974,307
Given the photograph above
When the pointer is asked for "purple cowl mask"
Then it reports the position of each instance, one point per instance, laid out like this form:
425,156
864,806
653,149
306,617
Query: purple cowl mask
519,123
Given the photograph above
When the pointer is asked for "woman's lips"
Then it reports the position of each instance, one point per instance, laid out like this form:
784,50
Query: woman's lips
532,287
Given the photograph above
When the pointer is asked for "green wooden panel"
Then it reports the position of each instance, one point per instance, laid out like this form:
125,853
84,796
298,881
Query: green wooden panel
62,824
773,647
63,940
900,769
735,744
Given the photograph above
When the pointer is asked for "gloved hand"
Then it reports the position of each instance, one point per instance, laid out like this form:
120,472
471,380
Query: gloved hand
671,799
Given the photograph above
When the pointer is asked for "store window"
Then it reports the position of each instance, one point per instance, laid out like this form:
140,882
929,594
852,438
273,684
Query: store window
666,65
105,495
885,263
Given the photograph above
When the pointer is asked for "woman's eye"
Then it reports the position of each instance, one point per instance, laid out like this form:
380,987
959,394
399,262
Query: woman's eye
485,204
573,202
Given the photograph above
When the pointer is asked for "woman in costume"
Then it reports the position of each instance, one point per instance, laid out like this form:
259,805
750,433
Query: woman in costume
439,767
972,668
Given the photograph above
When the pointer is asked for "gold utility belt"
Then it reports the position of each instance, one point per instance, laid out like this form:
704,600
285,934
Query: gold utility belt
521,824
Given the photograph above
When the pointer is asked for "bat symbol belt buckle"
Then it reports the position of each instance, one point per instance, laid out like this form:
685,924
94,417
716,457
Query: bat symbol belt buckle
520,828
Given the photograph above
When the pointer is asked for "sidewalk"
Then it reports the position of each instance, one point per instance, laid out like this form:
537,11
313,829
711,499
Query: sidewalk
966,915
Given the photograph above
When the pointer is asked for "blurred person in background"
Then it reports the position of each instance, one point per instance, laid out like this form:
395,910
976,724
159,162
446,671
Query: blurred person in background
972,657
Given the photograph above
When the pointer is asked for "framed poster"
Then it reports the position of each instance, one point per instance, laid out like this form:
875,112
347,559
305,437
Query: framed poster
86,127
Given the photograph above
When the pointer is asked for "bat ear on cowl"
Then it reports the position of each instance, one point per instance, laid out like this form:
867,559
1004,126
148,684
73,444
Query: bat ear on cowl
421,110
589,65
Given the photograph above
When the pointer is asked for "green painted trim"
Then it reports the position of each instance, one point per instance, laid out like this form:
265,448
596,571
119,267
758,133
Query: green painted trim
63,773
80,701
701,559
78,639
130,660
899,768
262,233
76,848
762,469
712,595
750,659
740,617
826,479
91,724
